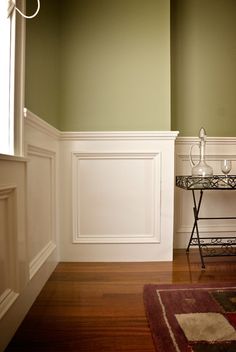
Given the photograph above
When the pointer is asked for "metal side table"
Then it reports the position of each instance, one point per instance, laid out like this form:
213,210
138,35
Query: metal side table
208,246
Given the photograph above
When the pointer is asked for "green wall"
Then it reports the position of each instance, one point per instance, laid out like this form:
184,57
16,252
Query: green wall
43,61
108,69
105,65
115,65
204,66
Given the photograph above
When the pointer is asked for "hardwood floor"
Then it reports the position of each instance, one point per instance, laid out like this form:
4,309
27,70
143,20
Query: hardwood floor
99,306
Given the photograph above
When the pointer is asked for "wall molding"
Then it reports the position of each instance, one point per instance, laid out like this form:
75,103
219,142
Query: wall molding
40,125
6,190
7,299
210,140
215,157
118,135
41,152
154,236
208,228
13,158
46,251
41,258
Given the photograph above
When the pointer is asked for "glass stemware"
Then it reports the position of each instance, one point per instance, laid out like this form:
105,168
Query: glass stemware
226,167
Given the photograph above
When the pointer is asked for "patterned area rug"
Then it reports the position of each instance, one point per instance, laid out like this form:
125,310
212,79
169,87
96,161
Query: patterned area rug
192,318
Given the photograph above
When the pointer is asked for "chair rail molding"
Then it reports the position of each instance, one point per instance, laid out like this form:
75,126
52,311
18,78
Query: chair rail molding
36,123
118,135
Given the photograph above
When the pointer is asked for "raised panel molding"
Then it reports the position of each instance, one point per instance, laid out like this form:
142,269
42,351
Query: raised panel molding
117,194
41,152
6,191
147,188
8,242
44,252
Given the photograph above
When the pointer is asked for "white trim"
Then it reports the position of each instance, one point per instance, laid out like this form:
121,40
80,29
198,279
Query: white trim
154,237
9,296
7,299
210,140
40,125
15,315
119,135
43,152
41,258
6,190
13,158
224,229
210,157
19,86
181,239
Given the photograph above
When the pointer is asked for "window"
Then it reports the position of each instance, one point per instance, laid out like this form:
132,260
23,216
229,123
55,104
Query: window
6,82
12,45
12,74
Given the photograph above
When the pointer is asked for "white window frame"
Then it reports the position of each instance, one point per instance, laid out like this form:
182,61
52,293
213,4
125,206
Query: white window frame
17,85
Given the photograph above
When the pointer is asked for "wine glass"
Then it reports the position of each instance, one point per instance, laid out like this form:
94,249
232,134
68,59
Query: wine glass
226,167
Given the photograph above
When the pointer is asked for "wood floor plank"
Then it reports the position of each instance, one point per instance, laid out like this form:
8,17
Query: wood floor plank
99,306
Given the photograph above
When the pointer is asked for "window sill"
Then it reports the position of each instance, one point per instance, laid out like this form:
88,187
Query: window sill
13,158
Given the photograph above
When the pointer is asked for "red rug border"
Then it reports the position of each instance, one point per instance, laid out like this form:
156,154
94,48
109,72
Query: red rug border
151,302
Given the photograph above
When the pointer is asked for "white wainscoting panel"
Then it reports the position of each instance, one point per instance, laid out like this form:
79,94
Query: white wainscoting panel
215,203
13,237
41,205
8,248
120,192
117,193
29,211
42,150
